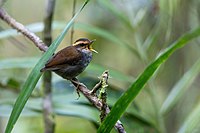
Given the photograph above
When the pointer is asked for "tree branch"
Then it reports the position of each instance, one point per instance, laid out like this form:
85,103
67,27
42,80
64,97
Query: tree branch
22,29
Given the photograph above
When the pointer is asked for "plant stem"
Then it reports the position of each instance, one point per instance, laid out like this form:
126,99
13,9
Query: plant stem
48,114
72,28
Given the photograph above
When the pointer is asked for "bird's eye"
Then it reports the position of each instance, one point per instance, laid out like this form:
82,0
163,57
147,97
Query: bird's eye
82,44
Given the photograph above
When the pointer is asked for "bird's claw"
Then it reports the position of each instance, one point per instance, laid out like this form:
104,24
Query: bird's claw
75,80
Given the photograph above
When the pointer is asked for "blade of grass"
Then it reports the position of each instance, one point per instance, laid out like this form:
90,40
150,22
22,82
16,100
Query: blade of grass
138,118
95,69
180,88
107,35
27,62
117,13
34,76
191,123
124,101
86,112
64,104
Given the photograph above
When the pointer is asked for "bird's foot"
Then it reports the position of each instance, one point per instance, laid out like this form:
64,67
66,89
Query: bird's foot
75,81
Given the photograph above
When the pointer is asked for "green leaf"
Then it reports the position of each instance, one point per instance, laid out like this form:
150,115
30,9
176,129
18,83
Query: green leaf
86,112
124,101
34,76
117,13
140,118
12,83
107,35
180,88
95,69
6,109
191,123
66,105
27,62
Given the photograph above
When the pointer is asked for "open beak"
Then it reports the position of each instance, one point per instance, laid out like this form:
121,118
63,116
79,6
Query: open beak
90,46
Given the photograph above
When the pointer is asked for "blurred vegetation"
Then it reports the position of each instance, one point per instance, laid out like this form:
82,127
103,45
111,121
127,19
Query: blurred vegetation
130,34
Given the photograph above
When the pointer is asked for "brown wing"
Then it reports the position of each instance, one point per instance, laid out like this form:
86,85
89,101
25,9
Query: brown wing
66,56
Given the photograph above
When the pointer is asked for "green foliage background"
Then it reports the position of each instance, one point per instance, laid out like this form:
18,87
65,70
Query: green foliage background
130,35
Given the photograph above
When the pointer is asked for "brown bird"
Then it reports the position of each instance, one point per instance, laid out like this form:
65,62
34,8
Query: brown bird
72,60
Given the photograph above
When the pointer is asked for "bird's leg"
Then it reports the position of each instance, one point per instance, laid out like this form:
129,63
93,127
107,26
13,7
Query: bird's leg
75,80
77,83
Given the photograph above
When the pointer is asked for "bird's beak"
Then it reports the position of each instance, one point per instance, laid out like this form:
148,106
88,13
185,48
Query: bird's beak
90,47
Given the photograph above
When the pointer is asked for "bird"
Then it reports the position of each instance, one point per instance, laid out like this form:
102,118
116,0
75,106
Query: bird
72,60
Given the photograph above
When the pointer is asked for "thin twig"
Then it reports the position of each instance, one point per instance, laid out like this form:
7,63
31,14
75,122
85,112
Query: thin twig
96,88
48,113
22,29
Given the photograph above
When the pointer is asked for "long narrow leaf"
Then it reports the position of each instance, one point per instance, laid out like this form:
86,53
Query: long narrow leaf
18,63
124,101
107,35
191,124
35,75
180,88
117,13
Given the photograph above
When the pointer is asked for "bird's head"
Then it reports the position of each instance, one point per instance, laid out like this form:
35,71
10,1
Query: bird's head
84,43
